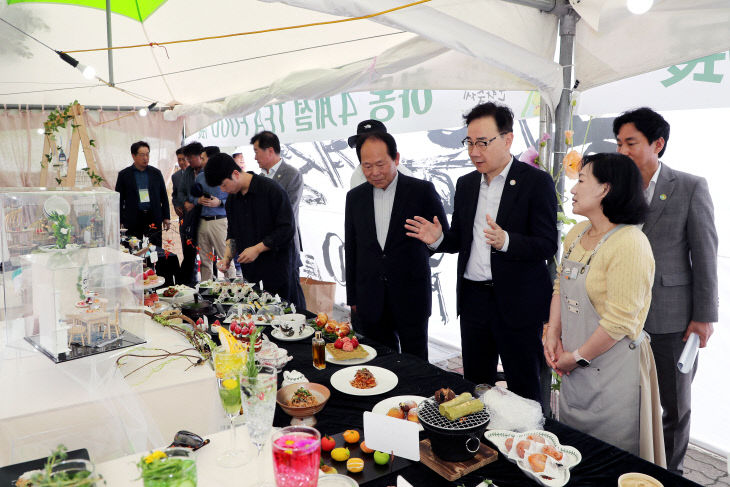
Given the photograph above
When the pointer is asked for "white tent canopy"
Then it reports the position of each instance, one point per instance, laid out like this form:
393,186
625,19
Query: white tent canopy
442,44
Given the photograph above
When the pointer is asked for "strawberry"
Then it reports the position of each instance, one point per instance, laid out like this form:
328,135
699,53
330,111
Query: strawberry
354,342
339,343
245,331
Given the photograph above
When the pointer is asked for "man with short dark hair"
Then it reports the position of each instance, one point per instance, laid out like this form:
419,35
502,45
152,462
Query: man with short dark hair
681,230
144,207
261,226
177,200
213,221
504,228
388,274
267,149
191,214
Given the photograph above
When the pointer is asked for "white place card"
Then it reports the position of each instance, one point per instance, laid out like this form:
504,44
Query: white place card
391,435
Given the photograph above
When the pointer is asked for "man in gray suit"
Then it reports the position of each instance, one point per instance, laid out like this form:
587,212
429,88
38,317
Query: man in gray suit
267,150
681,229
178,199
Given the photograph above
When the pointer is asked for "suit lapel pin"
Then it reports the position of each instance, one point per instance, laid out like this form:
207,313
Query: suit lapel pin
662,196
512,182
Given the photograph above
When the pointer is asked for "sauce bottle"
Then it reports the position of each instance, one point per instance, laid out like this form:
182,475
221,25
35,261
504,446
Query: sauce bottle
318,351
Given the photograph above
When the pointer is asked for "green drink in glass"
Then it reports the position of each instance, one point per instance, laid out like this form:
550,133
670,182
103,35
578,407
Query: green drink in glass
230,394
171,467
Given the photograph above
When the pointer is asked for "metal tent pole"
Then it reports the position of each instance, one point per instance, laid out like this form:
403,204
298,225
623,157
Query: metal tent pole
567,21
109,55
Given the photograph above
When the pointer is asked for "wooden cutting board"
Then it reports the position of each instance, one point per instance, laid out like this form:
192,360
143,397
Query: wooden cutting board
452,471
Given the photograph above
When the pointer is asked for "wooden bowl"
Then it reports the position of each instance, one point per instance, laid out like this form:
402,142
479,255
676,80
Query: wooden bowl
320,392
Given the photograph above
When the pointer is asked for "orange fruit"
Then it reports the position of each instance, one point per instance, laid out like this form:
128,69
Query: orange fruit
365,448
351,436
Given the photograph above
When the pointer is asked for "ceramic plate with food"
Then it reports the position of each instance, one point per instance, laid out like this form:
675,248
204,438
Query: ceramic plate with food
538,453
153,283
307,332
399,407
364,381
359,355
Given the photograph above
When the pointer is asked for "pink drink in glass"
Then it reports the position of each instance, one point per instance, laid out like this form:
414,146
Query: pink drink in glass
296,456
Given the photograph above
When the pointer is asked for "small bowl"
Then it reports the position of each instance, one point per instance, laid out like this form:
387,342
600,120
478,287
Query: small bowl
627,478
303,415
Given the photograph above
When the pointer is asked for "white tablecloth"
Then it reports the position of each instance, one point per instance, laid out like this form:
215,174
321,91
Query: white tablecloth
123,471
87,403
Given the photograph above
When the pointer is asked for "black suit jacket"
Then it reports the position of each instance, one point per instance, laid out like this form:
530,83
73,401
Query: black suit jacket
404,262
264,214
129,196
528,213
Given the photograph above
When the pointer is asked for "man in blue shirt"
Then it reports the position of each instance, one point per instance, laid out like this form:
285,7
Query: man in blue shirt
213,222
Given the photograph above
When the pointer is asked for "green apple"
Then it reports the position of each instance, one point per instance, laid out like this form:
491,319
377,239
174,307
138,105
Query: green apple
381,458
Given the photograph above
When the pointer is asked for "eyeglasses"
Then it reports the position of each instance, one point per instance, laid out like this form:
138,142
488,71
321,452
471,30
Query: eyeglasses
481,144
189,440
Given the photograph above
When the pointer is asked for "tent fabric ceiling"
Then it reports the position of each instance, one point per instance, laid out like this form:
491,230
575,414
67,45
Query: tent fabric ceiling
136,9
442,44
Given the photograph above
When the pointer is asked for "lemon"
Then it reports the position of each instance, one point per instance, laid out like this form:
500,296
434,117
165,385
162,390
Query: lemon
340,454
355,465
230,383
229,342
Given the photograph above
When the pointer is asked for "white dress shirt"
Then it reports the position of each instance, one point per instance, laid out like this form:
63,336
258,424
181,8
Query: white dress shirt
649,191
272,171
383,205
479,266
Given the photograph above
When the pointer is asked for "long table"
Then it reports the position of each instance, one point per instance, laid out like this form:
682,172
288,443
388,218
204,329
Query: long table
602,463
53,403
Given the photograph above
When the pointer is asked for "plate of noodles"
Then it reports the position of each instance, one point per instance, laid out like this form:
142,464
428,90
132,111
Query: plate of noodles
364,381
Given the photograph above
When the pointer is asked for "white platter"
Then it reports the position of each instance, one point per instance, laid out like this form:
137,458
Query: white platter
571,456
306,333
392,402
385,381
183,296
156,283
372,353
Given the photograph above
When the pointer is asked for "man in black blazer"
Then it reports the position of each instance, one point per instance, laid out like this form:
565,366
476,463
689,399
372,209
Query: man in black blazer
143,204
261,226
505,229
388,274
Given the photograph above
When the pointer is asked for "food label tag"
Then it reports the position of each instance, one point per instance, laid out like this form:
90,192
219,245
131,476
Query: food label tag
388,434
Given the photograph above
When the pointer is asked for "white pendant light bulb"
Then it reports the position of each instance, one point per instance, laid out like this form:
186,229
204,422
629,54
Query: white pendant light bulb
143,112
41,131
638,7
89,72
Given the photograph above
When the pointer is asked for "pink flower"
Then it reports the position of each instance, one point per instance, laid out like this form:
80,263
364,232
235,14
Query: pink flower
545,137
569,137
529,156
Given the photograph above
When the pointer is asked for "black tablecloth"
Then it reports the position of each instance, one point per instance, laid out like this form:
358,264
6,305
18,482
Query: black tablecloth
601,465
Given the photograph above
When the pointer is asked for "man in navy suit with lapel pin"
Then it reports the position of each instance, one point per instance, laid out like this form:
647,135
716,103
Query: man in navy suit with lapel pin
504,228
388,274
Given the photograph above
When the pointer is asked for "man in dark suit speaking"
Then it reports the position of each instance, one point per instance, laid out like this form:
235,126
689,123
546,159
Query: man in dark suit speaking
388,274
505,229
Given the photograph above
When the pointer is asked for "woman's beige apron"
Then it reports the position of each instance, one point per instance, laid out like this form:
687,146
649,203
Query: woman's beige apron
603,399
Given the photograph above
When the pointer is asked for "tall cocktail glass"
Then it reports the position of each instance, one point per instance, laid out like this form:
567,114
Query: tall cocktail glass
258,394
228,367
296,451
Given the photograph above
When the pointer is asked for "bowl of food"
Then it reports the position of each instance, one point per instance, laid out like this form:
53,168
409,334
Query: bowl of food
302,401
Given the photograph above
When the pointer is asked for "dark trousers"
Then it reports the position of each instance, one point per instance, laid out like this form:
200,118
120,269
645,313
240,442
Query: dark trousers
403,336
487,335
298,293
141,227
675,392
188,269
